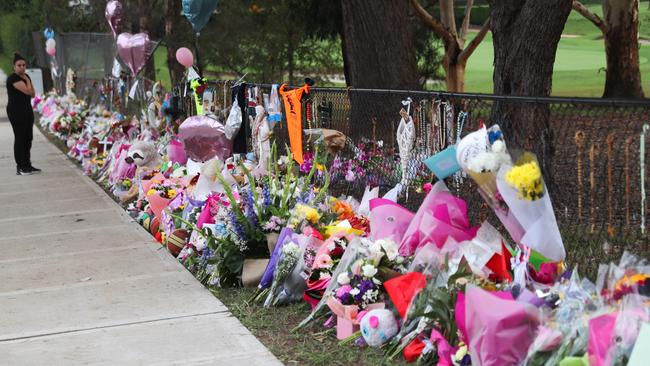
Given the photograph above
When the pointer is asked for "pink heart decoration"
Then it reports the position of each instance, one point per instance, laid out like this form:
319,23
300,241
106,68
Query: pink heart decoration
134,50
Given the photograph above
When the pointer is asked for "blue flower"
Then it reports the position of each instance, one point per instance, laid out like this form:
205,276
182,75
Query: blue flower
266,191
237,227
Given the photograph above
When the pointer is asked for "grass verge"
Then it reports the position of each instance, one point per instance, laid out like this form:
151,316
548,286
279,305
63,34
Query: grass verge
313,345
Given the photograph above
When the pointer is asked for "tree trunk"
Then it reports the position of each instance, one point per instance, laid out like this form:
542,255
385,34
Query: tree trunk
525,36
379,54
290,54
454,69
455,78
622,48
143,10
172,10
379,44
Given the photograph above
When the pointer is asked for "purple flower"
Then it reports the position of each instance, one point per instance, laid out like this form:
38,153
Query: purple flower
237,227
247,197
363,288
266,192
308,158
349,176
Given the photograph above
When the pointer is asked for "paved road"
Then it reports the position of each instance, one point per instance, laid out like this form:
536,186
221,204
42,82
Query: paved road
82,283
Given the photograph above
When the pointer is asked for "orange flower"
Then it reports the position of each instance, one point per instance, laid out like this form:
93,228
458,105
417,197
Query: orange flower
343,210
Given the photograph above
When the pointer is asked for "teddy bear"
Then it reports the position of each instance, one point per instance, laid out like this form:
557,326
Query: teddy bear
378,326
144,155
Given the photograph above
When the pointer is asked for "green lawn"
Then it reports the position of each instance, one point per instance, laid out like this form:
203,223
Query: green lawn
580,61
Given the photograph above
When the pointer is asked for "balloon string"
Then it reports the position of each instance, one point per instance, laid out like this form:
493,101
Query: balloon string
196,50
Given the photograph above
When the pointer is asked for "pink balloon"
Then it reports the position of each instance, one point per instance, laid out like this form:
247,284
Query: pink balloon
204,138
184,57
134,50
113,15
51,51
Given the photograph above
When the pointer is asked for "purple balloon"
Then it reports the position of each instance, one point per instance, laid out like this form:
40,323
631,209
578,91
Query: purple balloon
113,15
204,138
134,50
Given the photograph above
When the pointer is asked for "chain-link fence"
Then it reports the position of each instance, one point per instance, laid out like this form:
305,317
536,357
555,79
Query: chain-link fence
89,55
590,151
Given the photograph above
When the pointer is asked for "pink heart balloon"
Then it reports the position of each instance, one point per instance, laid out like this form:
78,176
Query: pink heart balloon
204,138
113,15
134,50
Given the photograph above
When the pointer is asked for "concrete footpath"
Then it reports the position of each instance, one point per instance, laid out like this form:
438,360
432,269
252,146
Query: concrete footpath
82,283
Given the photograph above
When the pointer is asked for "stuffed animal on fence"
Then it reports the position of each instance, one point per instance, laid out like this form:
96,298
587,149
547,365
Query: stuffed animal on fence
145,156
378,326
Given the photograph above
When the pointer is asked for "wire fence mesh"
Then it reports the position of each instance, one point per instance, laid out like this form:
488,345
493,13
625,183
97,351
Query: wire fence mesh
590,151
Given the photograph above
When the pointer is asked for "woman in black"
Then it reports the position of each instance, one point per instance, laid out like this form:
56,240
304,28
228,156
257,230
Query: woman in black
19,109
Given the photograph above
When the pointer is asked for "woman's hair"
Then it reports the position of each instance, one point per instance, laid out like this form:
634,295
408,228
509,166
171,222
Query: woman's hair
18,57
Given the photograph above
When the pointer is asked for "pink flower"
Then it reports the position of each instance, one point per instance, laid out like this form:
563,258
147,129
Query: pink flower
310,231
323,261
343,290
427,187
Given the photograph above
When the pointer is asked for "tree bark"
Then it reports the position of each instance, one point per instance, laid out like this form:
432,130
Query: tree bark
525,35
172,10
456,55
623,78
379,45
144,7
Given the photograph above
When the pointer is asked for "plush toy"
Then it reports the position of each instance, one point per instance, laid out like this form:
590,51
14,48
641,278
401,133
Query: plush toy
378,326
144,155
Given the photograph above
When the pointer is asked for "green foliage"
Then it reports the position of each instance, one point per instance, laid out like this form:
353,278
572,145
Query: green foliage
13,33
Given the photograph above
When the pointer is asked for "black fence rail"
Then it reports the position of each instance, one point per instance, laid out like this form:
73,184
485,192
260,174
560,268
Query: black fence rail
592,153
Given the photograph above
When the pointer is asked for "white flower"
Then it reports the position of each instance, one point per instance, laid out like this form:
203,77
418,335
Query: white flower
343,278
331,246
375,249
291,248
369,270
324,276
390,247
355,291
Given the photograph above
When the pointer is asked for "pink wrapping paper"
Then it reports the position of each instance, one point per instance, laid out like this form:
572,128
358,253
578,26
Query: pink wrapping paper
122,169
158,203
388,220
206,215
500,331
441,215
176,152
351,312
444,349
601,339
459,311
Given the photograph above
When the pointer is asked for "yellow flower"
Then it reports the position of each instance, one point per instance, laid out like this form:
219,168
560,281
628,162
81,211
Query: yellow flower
312,215
320,167
171,192
309,213
151,192
527,179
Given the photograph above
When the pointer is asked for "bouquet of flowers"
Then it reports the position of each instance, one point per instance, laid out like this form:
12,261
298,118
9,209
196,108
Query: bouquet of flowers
323,262
290,256
522,188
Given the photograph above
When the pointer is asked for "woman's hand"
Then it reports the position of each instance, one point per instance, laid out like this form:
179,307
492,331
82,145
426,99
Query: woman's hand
25,86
